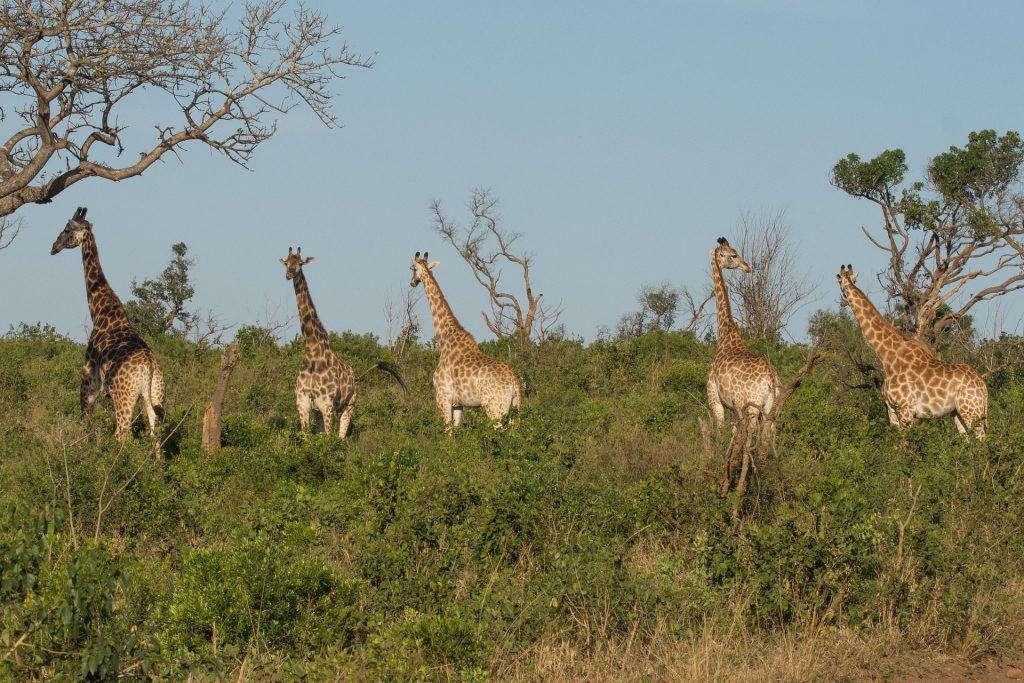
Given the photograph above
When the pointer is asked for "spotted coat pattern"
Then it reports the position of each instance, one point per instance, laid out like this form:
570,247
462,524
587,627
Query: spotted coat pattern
325,382
738,379
117,362
917,385
465,377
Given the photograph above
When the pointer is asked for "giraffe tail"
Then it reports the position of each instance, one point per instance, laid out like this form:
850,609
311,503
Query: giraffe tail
391,370
156,391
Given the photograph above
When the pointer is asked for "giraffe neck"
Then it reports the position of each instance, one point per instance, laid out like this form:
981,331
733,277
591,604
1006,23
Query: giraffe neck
728,332
447,329
879,333
313,333
104,306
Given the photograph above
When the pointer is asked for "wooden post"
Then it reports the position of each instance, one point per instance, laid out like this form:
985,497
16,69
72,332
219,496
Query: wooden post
211,418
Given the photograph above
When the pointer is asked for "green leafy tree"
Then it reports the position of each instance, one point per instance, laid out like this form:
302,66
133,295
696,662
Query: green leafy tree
954,239
658,308
160,303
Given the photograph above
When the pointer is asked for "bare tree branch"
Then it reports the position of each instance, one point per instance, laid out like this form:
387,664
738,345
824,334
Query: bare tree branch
773,291
959,228
10,226
69,66
486,246
405,321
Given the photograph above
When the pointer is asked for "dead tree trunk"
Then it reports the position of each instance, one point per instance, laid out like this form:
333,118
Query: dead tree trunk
211,418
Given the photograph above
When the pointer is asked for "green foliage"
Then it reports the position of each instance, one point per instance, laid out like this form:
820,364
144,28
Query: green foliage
406,554
253,339
873,179
967,221
58,604
981,170
268,588
160,303
658,307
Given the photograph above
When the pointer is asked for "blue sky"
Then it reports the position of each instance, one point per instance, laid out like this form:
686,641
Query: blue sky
621,138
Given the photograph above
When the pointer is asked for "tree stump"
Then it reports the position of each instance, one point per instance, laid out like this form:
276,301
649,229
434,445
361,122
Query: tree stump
211,418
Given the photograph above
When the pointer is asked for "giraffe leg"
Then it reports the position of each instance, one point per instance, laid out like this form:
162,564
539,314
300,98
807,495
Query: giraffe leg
446,408
969,420
124,402
894,418
906,417
458,414
980,428
961,425
156,393
971,408
715,403
152,398
327,413
303,405
89,389
345,419
497,409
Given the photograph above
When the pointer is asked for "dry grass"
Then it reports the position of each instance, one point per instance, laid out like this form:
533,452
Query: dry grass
714,654
802,653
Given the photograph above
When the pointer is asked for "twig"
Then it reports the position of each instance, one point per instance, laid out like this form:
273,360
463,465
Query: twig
898,561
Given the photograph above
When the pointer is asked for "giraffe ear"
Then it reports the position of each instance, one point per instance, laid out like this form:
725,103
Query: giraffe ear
433,264
308,260
283,262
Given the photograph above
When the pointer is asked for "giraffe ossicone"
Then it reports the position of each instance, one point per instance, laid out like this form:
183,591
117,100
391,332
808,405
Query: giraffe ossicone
465,376
117,362
917,385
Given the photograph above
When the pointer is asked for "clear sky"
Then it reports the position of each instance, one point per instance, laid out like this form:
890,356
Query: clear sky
621,138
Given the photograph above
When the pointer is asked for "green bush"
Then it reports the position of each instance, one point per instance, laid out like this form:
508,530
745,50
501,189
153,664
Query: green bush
267,589
402,553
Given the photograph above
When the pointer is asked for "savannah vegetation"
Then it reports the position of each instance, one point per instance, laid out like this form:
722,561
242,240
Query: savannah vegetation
588,541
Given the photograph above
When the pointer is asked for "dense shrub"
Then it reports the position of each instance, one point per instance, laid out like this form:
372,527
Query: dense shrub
402,553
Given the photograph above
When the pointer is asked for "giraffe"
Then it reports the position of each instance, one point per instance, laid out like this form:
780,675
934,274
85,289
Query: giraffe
465,377
325,382
917,385
738,378
117,362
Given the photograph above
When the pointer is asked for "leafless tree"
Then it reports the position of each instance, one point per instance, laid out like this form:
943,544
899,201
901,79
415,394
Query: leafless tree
10,226
67,69
486,247
698,320
774,290
207,330
962,227
402,324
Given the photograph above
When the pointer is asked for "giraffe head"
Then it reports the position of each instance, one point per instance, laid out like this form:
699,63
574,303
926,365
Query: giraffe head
847,278
727,257
293,264
420,266
74,232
